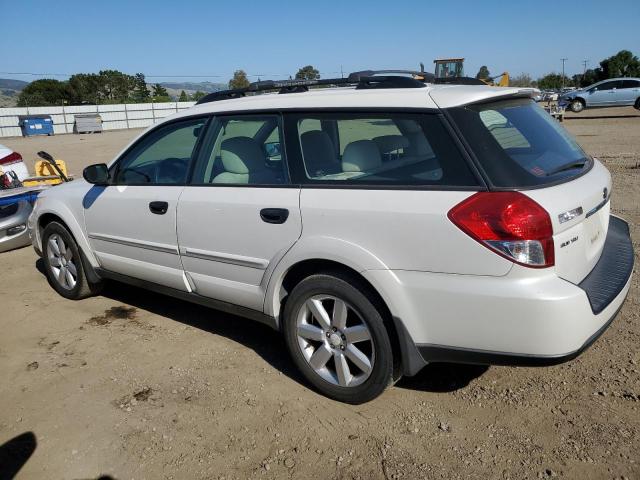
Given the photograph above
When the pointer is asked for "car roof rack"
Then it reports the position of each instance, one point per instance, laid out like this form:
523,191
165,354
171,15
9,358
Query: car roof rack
366,79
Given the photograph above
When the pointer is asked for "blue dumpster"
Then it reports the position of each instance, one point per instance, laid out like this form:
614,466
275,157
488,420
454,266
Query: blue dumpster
36,125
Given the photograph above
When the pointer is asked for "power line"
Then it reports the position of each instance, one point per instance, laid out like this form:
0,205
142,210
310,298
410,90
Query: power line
261,75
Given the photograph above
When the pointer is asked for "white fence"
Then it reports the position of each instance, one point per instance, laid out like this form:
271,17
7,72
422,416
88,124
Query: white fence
129,115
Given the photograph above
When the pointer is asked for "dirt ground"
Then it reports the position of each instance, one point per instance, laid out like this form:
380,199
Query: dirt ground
133,385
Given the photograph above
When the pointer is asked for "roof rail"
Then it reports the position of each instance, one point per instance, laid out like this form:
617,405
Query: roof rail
366,79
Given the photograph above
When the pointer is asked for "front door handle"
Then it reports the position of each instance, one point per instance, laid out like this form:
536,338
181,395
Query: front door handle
159,208
274,215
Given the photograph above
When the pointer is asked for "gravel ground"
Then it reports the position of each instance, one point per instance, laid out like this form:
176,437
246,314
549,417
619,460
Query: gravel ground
134,385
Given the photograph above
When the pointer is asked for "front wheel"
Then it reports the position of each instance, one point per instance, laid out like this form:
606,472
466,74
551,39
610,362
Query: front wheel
63,264
337,338
637,104
576,106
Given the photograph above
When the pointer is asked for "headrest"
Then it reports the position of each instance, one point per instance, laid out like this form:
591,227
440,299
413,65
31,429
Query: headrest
242,155
361,156
391,143
318,151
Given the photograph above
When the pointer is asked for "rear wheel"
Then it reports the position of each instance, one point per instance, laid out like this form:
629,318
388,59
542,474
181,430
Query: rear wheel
63,264
637,105
337,338
577,105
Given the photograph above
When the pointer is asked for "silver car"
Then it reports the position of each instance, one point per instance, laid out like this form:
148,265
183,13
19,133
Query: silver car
614,92
13,224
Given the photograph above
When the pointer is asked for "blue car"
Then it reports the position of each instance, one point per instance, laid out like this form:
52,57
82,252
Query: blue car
614,92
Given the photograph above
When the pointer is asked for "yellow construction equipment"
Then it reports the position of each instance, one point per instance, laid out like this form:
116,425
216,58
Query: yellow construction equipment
447,68
48,172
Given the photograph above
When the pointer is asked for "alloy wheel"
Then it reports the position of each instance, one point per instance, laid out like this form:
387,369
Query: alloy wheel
335,341
62,263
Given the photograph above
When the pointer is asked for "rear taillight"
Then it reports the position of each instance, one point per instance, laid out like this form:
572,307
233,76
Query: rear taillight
510,223
13,157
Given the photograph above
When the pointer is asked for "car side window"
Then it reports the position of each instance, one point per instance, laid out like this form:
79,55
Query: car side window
630,84
162,157
380,149
608,86
244,150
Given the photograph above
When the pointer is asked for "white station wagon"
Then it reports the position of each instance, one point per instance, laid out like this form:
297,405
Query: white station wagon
381,223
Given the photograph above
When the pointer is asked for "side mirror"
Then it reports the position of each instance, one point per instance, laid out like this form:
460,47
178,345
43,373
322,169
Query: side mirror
97,174
272,149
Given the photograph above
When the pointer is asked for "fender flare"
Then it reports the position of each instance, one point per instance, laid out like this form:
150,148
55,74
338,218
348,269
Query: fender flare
318,248
63,212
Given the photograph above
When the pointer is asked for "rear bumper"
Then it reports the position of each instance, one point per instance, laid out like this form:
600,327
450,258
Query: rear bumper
523,318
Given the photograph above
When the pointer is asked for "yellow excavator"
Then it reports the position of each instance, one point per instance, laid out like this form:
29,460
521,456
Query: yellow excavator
451,68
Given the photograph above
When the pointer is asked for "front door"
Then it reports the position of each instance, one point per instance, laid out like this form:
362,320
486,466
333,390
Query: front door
131,223
603,95
240,214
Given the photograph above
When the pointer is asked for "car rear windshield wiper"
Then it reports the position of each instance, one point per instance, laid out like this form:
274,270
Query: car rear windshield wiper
567,166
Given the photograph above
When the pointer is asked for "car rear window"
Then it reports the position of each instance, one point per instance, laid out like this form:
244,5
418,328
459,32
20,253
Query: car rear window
518,144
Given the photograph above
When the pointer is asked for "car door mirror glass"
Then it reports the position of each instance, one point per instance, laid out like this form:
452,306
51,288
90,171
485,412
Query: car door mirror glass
272,149
97,174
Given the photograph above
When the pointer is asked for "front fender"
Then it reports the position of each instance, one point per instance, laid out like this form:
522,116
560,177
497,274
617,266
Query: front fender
318,248
59,208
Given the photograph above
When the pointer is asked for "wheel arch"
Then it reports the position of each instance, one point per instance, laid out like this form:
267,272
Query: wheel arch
65,217
401,343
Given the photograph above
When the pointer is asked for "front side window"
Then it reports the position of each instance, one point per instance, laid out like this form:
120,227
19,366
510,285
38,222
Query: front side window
380,149
608,86
242,150
518,144
162,157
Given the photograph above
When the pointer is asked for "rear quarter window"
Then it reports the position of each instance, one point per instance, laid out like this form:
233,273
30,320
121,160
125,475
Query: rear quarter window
518,144
394,149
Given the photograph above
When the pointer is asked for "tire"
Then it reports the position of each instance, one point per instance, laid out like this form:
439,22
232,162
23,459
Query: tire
347,354
577,105
62,258
637,104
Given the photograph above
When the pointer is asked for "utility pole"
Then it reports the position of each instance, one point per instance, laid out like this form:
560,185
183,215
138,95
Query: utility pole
341,72
584,70
563,60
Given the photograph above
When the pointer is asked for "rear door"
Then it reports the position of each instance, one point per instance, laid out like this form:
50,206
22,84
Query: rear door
240,213
131,223
629,92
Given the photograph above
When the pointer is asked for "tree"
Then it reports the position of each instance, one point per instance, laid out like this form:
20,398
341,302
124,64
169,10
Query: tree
622,64
308,73
141,93
197,96
553,81
159,91
522,80
115,86
239,80
183,97
483,73
43,93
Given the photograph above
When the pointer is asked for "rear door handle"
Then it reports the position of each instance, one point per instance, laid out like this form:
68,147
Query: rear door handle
274,215
159,208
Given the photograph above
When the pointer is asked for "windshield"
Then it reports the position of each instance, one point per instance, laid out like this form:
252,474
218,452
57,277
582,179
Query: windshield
518,144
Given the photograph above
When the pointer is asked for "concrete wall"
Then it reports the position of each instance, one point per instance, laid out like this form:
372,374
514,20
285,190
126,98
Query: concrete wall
130,115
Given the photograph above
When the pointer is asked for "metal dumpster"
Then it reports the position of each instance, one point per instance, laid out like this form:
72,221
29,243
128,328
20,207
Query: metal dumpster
87,123
36,125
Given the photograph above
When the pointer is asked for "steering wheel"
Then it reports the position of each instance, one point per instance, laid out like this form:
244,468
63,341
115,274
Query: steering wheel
171,168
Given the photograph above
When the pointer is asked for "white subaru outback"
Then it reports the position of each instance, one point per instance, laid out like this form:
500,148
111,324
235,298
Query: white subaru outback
381,223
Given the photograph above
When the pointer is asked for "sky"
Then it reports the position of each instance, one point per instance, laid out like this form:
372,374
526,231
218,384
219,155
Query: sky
208,40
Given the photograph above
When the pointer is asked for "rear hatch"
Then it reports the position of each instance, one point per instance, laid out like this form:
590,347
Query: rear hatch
519,146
